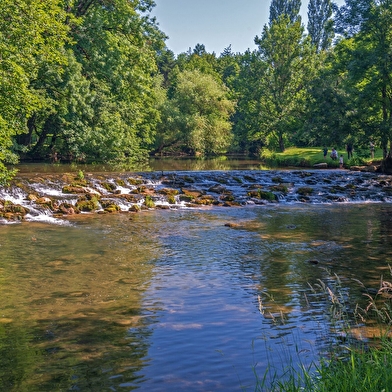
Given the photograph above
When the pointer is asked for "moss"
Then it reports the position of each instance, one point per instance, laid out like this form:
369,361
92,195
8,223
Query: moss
305,191
263,195
171,199
148,202
112,208
109,206
108,186
120,182
135,181
168,191
87,204
279,188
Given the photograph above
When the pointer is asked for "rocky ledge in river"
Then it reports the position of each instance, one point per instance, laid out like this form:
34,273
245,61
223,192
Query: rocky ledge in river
62,195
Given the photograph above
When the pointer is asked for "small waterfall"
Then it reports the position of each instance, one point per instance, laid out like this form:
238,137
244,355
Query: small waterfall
53,197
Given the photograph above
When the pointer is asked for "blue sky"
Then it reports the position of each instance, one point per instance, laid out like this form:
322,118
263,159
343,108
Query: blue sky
214,23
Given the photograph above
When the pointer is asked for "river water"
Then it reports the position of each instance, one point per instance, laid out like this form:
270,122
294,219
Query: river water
197,299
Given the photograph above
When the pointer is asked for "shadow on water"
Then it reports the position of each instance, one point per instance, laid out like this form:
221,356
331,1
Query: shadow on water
70,297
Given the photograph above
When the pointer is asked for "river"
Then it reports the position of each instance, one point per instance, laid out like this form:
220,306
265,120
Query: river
195,299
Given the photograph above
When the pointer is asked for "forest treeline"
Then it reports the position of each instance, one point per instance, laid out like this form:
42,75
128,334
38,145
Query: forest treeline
93,81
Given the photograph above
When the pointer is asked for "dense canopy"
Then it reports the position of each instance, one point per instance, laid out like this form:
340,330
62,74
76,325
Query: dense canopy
92,81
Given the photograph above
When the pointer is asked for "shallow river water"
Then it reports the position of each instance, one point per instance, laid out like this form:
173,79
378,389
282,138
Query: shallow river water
180,300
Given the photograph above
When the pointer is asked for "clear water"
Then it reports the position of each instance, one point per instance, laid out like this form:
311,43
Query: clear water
195,300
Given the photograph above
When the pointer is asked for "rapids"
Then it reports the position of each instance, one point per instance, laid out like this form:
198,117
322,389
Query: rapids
43,197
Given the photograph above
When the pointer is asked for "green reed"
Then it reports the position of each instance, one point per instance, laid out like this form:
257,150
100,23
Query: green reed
355,363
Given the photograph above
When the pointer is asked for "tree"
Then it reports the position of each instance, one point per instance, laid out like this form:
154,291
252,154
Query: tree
369,64
289,8
247,90
287,58
198,116
320,24
102,106
31,33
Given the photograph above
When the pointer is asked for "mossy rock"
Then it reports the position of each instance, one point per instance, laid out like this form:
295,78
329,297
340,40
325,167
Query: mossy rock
109,206
279,188
186,198
135,181
120,182
249,178
169,191
263,195
188,179
87,204
227,198
171,199
305,191
148,202
231,204
194,193
110,187
112,208
162,207
78,189
134,208
15,209
217,188
10,216
32,197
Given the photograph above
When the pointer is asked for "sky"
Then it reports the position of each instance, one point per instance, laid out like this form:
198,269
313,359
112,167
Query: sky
214,23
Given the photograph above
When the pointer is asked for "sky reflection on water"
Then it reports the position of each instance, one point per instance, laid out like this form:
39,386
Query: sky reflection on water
178,300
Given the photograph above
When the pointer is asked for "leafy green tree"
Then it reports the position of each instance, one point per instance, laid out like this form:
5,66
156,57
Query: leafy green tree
101,105
197,118
247,89
367,53
320,24
31,33
288,68
289,8
330,113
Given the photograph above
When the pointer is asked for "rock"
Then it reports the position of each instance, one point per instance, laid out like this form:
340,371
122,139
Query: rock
32,197
44,200
194,193
232,225
322,165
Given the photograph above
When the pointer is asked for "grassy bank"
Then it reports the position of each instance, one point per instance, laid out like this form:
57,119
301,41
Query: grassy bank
309,156
361,361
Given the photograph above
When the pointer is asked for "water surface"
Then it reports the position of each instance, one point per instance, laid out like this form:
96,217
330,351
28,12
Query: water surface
196,299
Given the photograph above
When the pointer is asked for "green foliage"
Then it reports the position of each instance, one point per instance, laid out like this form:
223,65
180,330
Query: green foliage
320,24
198,115
287,58
95,83
148,202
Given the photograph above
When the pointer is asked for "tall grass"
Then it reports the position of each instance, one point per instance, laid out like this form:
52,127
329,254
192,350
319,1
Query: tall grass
361,361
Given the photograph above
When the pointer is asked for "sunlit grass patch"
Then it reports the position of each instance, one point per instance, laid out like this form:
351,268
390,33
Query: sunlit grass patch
310,156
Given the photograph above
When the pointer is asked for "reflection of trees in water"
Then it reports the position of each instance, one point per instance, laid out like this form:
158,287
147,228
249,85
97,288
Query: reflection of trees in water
72,300
88,354
298,246
385,219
